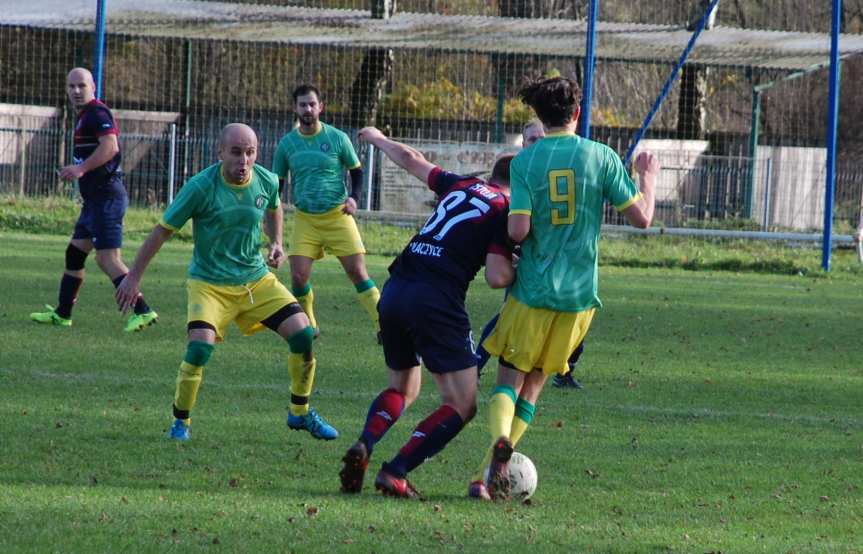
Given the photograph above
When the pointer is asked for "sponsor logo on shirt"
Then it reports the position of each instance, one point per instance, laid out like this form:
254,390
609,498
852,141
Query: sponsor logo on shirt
426,249
259,201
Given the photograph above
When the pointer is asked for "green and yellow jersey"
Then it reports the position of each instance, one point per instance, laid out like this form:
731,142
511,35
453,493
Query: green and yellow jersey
317,165
562,182
226,224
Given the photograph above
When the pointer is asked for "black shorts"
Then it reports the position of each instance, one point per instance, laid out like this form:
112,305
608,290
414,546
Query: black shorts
422,322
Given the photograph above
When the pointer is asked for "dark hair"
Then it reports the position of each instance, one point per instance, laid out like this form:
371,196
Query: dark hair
554,100
303,90
500,171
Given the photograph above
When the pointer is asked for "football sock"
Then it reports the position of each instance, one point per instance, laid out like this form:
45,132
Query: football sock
524,411
368,295
501,411
189,377
141,307
69,287
384,411
302,372
306,298
429,438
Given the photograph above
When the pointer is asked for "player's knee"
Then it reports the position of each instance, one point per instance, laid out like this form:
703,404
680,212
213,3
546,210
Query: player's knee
198,353
75,258
301,341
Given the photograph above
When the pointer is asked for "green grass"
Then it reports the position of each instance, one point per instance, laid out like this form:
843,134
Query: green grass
722,412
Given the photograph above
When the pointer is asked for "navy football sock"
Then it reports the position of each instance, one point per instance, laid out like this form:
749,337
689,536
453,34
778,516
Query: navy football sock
69,287
383,413
429,438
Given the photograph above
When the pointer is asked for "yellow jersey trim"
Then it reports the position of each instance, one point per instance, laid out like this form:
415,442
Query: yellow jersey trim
356,166
560,134
628,203
245,184
519,212
168,226
313,135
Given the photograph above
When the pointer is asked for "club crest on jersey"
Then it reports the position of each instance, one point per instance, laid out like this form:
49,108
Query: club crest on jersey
260,201
325,147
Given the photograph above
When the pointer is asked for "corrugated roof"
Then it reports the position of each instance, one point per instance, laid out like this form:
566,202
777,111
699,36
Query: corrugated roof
615,41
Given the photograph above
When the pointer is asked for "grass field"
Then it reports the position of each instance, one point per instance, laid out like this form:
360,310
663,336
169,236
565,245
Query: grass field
723,412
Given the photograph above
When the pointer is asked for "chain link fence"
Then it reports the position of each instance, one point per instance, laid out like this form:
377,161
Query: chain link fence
176,72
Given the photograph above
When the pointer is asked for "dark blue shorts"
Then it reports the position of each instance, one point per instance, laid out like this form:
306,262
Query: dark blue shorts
421,321
101,221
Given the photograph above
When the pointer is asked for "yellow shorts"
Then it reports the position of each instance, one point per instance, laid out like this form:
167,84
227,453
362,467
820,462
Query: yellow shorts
531,338
332,231
247,305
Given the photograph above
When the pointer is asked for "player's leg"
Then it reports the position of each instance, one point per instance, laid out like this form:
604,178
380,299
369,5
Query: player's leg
110,261
108,240
368,294
384,411
210,309
306,246
296,329
77,250
199,349
482,355
301,272
397,315
342,236
458,406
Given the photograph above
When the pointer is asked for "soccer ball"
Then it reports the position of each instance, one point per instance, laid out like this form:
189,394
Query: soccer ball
522,476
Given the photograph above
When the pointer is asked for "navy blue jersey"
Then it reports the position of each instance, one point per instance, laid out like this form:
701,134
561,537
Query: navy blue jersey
95,120
469,222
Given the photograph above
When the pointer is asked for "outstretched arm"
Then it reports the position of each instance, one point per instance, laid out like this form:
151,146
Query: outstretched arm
127,293
640,214
401,154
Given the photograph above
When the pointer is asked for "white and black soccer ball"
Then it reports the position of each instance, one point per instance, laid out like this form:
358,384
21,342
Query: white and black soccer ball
522,476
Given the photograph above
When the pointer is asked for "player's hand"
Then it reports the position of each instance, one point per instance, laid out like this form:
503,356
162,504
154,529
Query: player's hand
127,293
647,163
370,134
350,206
276,257
71,172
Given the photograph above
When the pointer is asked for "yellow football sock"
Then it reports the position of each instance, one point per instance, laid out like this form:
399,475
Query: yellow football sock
302,372
519,426
368,297
501,410
188,381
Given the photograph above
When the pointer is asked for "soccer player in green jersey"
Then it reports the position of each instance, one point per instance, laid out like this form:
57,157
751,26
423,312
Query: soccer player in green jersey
559,188
228,277
316,156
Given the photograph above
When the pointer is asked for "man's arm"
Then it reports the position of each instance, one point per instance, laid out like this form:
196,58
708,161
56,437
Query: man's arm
273,226
127,293
518,227
499,272
107,149
401,154
640,214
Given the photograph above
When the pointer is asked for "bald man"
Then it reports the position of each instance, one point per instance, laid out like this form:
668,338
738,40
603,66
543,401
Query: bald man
228,279
96,167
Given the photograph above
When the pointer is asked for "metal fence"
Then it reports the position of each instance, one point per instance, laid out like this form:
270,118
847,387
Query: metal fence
180,78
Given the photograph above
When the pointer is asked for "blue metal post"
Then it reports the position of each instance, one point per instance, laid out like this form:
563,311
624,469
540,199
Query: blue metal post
589,66
671,78
832,124
99,52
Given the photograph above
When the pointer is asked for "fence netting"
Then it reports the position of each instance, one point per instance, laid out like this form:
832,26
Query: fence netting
742,138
